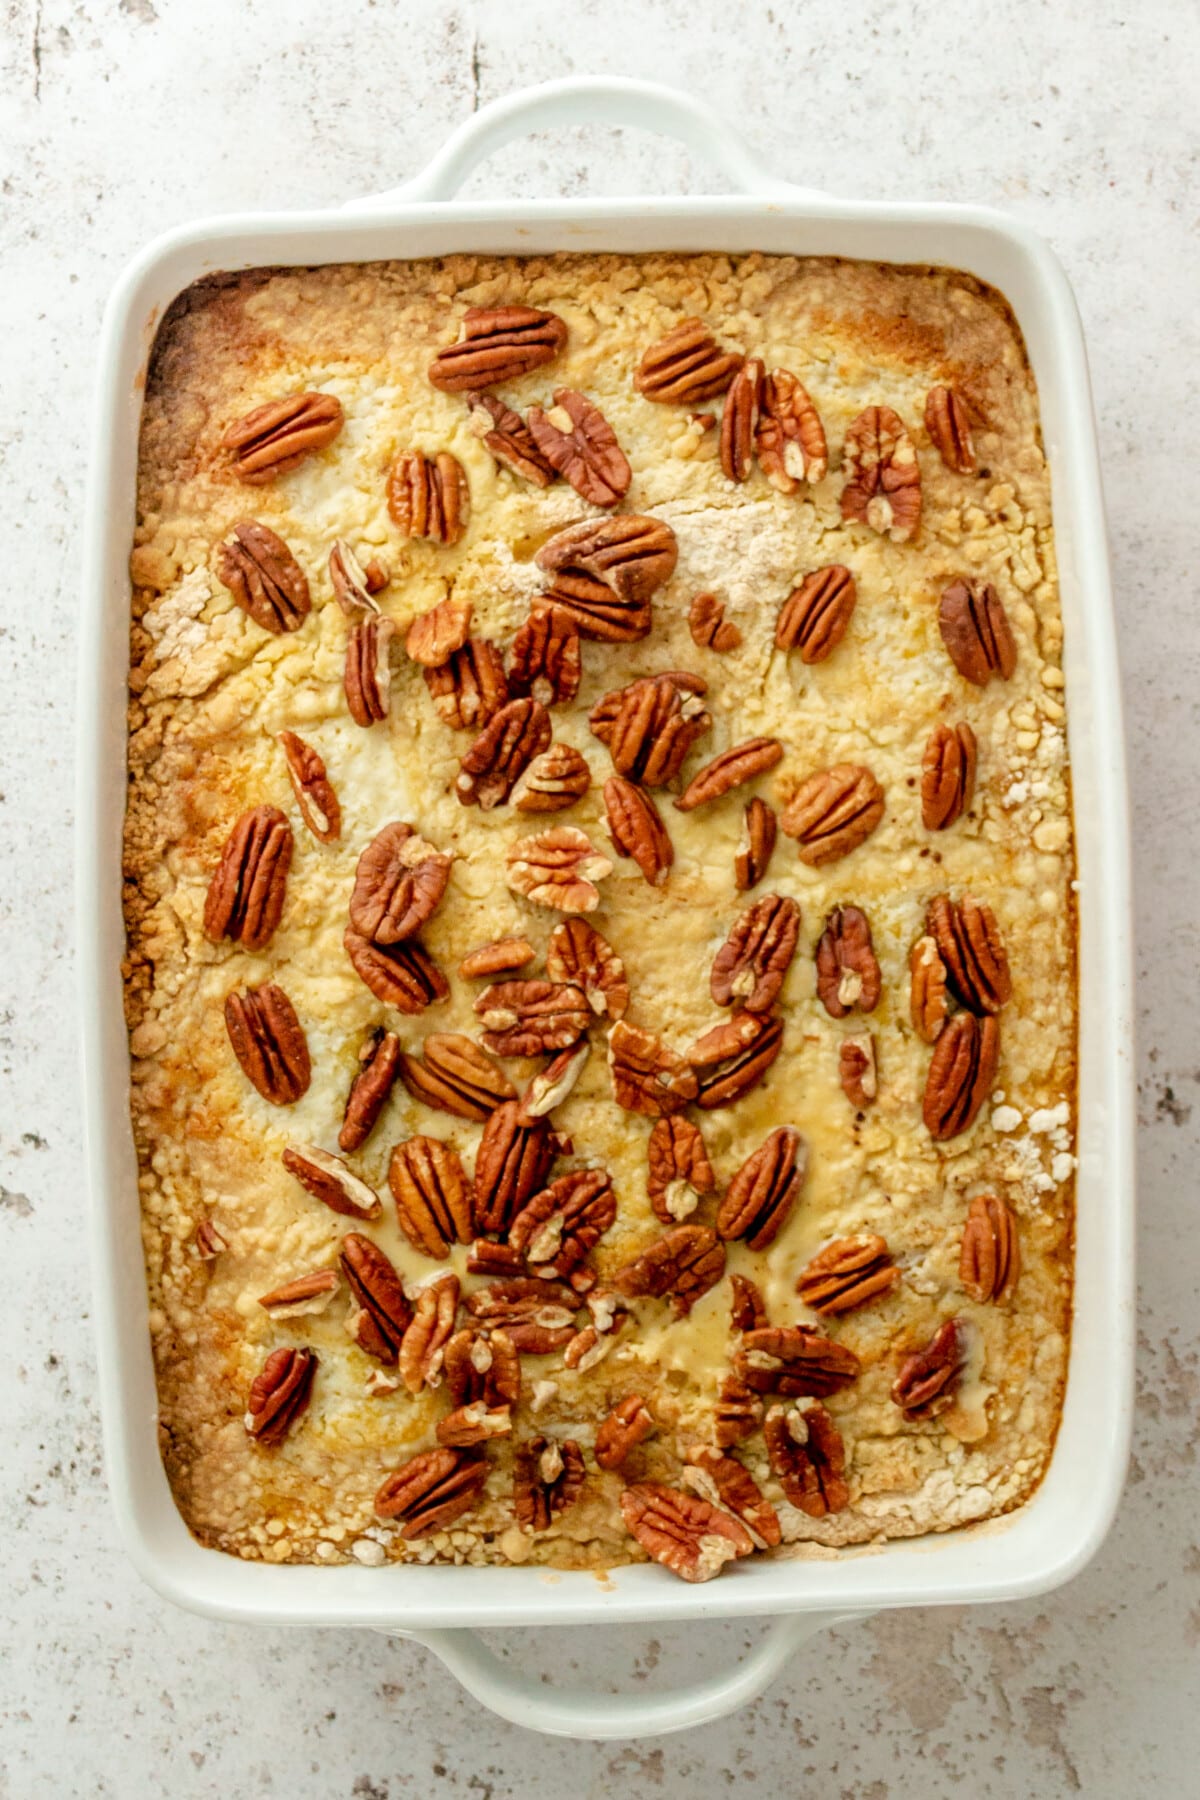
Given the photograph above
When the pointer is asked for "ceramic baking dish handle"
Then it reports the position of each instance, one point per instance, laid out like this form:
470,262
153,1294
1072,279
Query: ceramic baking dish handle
583,100
583,1713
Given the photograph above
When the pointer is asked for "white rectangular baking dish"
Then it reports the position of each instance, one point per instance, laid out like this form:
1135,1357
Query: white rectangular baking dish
1049,1539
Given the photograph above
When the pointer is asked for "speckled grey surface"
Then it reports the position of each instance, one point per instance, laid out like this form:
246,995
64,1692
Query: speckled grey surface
118,120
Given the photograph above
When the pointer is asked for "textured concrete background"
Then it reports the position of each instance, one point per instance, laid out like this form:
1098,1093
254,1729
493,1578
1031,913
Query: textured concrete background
117,120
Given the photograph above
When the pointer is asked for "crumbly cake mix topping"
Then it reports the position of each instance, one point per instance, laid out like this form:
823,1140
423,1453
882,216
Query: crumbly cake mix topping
601,968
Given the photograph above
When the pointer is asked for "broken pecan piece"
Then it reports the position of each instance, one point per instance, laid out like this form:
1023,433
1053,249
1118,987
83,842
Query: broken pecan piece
379,1061
428,1492
808,1458
352,585
686,366
512,1162
679,1172
434,636
500,957
947,775
279,1395
531,1018
961,1073
497,344
750,965
269,1042
709,627
537,1314
790,439
331,1181
247,891
553,781
606,572
857,1070
791,1360
760,1198
505,433
737,1415
636,828
747,1308
384,1312
275,438
847,968
432,1327
552,1085
646,1077
976,632
401,975
928,989
650,726
455,1076
557,869
309,1293
559,1227
848,1273
547,1478
739,420
264,577
733,1057
815,615
470,687
210,1240
428,496
473,1424
972,950
312,787
546,660
434,1201
949,429
928,1379
883,477
398,885
482,1366
576,439
367,678
578,954
686,1534
731,769
833,812
725,1482
683,1263
627,1425
503,751
759,831
990,1263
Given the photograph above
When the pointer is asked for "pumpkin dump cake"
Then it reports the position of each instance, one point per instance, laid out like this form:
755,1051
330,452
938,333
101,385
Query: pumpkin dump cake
599,870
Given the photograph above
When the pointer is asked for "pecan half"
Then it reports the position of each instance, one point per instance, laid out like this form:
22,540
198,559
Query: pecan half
384,1313
551,1086
312,787
883,477
470,687
576,439
679,1173
990,1263
737,1415
401,975
557,869
398,885
433,1321
269,1042
546,660
502,752
808,1458
750,965
790,439
683,1263
791,1360
553,781
578,954
857,1070
547,1478
847,968
473,1424
379,1061
627,1425
428,496
760,829
972,949
725,1482
428,1492
497,344
500,957
606,571
537,1314
636,828
434,1200
264,577
928,989
848,1273
504,432
650,726
434,636
331,1181
455,1076
559,1227
760,1198
279,1395
709,627
482,1366
352,585
531,1018
815,615
686,366
949,429
646,1077
275,438
739,420
833,812
747,1308
512,1162
733,1057
961,1073
304,1294
976,632
686,1534
247,891
731,769
947,775
367,677
928,1379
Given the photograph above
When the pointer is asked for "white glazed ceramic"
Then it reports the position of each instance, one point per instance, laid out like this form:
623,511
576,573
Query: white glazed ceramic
1046,1541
